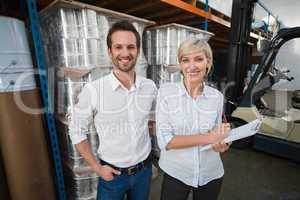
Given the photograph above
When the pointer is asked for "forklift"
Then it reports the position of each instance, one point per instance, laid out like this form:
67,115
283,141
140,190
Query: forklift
279,133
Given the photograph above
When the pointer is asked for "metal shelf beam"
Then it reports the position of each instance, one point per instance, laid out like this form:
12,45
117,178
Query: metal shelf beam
40,58
192,9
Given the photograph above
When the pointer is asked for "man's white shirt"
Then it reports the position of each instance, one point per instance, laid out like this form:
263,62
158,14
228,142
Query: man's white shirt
121,118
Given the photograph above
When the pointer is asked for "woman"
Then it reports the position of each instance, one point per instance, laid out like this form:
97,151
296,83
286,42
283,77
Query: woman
189,115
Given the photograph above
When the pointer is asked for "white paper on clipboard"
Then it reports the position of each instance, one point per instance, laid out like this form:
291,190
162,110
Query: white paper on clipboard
238,133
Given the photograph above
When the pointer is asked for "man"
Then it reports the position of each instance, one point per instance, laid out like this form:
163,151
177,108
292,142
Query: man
119,104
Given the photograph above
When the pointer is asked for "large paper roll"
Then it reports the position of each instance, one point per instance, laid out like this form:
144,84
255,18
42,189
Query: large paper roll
24,148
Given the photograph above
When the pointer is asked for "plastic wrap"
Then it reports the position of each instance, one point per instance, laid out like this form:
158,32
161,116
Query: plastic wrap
162,42
164,74
76,37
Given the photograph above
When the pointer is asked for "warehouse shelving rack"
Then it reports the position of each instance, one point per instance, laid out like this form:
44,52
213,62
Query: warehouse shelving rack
40,59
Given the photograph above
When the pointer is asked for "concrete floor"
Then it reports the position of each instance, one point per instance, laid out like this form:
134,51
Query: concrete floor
252,175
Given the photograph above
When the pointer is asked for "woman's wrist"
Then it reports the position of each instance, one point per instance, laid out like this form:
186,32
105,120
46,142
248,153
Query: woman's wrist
206,138
210,138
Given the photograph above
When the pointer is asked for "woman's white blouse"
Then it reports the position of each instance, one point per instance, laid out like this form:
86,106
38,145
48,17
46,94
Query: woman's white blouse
179,114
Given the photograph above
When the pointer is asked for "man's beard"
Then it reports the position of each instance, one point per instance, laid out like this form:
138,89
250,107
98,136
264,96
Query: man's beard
122,68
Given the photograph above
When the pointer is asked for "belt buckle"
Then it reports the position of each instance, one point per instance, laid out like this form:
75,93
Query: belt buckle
131,170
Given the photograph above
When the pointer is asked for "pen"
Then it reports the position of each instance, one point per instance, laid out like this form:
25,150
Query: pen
224,118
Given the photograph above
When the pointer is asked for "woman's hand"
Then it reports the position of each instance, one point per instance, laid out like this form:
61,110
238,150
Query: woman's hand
219,133
221,147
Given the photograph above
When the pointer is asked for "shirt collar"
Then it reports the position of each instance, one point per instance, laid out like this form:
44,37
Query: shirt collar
183,90
115,83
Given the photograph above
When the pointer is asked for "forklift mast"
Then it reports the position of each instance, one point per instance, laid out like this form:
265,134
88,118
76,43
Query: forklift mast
239,49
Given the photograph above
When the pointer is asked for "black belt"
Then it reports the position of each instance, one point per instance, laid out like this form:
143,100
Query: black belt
130,170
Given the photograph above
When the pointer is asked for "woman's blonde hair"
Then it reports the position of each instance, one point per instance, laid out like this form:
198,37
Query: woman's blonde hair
194,45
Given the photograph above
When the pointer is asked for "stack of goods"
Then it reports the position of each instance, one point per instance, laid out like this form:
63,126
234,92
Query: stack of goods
81,181
74,38
161,46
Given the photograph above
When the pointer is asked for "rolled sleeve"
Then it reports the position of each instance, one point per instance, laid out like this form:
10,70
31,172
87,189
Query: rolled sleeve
77,138
164,130
81,117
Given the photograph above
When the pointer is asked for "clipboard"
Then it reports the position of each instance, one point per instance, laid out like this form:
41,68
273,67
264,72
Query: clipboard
238,133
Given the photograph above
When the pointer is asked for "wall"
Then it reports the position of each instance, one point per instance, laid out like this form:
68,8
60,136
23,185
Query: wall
220,5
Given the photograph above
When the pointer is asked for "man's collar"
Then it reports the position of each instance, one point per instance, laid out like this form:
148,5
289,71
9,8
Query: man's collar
115,83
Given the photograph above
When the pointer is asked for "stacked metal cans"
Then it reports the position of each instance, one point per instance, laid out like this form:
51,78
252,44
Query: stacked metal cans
72,38
81,181
161,44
